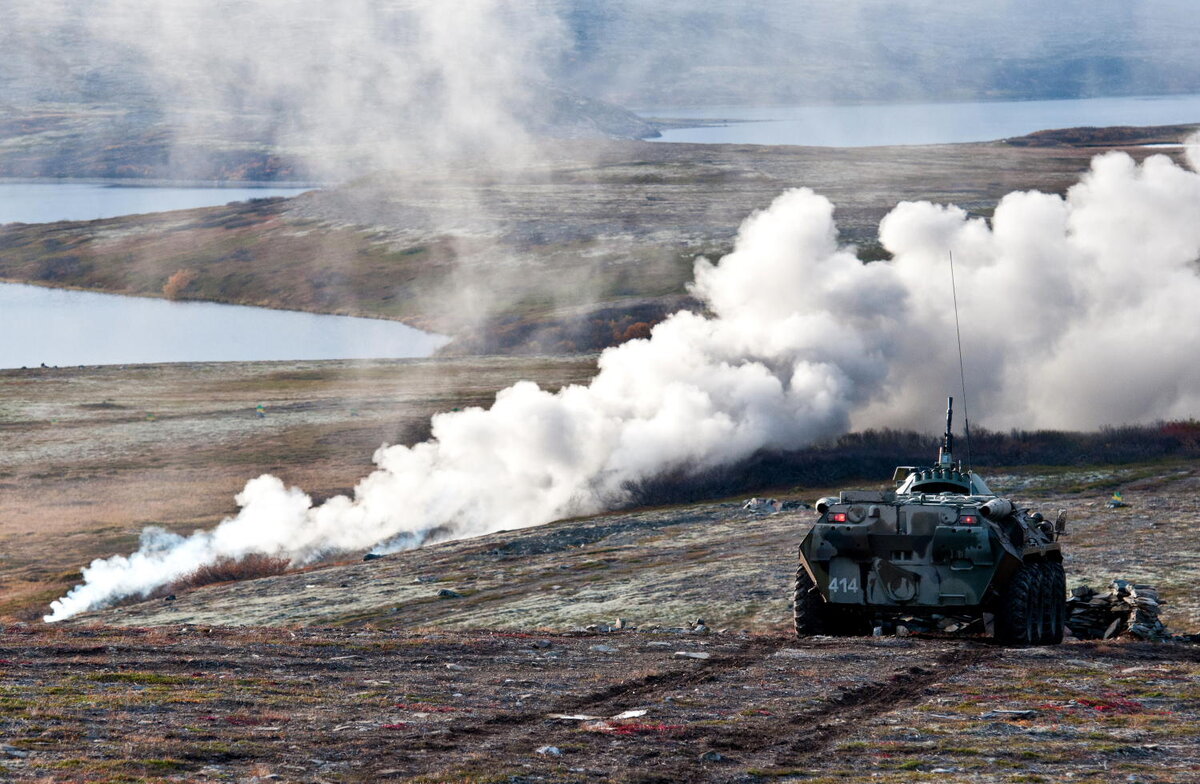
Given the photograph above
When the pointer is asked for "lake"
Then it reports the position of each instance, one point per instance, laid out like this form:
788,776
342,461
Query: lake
62,327
52,201
871,125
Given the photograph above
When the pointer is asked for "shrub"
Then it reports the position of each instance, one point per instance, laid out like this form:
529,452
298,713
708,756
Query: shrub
635,331
226,570
177,283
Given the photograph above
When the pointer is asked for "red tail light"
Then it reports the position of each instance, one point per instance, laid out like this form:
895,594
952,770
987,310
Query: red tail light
968,520
837,517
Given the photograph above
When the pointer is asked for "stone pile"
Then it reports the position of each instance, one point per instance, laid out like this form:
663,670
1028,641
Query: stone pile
1127,608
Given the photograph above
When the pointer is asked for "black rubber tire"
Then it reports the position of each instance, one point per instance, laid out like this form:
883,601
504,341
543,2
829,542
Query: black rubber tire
808,606
1016,615
1040,610
1056,595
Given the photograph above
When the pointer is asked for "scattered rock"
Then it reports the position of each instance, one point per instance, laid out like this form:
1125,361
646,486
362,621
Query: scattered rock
446,593
796,653
13,751
692,655
550,751
455,667
602,649
1127,608
372,557
540,644
711,756
766,505
1008,714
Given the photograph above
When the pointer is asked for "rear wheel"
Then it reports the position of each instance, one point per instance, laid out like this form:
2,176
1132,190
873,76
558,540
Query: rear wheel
1056,597
808,607
811,614
1039,613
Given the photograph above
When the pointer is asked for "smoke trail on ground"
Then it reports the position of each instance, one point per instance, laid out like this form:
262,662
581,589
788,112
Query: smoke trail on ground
1078,311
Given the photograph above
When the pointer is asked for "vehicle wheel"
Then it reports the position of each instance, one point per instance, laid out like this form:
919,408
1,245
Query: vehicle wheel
1016,615
1039,612
1056,596
808,613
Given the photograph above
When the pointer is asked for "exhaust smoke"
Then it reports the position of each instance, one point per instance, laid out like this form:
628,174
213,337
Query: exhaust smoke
1077,312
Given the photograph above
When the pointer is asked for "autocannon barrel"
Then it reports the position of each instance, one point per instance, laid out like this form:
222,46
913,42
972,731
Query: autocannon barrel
997,509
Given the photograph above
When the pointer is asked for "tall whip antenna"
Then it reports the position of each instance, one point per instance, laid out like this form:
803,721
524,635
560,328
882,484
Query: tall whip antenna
962,375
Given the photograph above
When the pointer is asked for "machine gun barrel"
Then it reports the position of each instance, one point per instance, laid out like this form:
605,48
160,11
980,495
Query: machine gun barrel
946,453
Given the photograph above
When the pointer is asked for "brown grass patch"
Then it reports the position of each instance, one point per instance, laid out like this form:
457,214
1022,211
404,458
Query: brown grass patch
228,570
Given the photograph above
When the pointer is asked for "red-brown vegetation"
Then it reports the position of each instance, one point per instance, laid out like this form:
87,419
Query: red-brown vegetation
178,283
249,567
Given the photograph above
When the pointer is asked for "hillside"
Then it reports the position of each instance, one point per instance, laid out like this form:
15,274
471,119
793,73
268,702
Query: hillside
92,455
668,566
667,53
563,253
522,674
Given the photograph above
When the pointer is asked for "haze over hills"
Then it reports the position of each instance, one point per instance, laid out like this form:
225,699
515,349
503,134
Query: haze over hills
114,88
674,53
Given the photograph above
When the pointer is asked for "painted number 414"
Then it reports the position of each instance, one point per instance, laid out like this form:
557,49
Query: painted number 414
843,585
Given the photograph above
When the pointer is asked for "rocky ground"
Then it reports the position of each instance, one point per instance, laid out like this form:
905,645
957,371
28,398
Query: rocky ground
497,659
668,566
200,703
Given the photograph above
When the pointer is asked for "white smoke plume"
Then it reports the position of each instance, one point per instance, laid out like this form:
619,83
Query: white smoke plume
345,87
1077,311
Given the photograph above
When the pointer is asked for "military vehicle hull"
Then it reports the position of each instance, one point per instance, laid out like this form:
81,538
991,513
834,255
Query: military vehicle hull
870,560
942,548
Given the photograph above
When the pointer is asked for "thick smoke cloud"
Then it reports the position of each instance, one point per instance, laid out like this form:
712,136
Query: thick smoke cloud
1078,311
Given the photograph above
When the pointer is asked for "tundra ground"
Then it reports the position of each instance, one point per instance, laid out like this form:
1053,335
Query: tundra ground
198,703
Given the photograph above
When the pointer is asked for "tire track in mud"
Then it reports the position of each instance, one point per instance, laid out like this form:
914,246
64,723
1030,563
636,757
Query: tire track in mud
512,733
626,694
809,733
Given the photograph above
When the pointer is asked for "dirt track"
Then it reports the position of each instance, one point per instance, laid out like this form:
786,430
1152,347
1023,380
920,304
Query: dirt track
204,704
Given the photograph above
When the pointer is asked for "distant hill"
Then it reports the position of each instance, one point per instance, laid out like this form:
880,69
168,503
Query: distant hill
663,53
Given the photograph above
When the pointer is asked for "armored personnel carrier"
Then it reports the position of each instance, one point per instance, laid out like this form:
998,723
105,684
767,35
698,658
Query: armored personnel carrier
940,551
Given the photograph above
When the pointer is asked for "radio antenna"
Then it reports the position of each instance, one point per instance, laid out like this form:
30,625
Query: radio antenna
962,375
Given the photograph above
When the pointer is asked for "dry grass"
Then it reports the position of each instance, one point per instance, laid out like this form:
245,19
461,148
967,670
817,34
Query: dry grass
227,570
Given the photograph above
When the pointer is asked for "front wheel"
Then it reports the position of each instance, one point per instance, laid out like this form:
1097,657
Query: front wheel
1032,607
